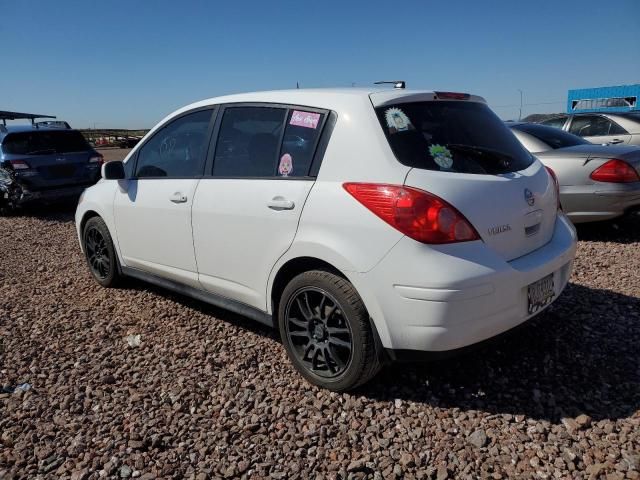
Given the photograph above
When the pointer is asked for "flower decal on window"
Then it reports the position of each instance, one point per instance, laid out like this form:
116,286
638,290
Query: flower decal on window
397,120
442,156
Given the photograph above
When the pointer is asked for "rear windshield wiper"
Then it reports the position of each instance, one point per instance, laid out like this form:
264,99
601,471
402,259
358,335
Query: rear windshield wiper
504,158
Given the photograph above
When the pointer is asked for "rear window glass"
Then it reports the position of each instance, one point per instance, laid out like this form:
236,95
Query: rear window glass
453,136
553,137
44,142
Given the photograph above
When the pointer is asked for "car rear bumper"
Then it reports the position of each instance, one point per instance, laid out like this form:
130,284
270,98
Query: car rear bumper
52,195
602,201
443,298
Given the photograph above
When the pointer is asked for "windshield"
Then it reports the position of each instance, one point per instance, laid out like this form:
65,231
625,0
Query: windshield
553,137
452,136
45,142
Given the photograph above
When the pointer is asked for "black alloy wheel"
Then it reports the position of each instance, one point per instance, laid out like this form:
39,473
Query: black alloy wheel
318,332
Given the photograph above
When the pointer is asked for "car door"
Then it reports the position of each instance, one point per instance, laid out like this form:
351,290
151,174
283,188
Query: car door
246,208
152,209
598,129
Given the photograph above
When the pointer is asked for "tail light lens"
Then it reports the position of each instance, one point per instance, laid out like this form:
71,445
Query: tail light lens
416,213
616,171
556,184
99,159
19,164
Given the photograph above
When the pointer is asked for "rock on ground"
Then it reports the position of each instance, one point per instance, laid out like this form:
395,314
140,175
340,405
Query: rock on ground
209,394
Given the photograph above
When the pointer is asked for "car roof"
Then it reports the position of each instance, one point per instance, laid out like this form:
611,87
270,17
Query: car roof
27,127
315,97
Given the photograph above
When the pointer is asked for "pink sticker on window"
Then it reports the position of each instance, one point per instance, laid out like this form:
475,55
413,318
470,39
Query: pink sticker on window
286,165
305,119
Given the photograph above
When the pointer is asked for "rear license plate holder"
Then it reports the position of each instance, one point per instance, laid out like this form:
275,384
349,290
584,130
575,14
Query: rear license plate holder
540,294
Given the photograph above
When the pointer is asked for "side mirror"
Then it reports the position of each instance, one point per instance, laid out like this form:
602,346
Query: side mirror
113,170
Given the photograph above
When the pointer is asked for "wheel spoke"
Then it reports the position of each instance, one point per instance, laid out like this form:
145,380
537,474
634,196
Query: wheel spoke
299,333
338,330
339,343
307,351
321,307
331,311
306,312
333,358
298,323
314,359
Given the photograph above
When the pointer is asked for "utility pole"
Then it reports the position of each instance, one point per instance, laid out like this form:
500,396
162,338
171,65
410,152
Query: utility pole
520,115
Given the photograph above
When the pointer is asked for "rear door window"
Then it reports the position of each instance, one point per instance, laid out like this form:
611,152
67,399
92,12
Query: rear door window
46,142
452,136
299,144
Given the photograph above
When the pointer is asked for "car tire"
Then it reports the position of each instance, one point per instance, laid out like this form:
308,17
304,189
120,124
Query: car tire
100,253
326,331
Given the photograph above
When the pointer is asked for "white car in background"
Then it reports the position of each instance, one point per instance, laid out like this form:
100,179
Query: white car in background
365,224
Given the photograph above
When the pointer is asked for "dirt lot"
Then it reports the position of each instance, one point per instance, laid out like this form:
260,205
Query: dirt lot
110,154
208,394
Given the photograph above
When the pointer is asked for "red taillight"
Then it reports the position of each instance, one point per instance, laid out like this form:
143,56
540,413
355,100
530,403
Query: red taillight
19,164
556,184
418,214
99,159
452,95
615,171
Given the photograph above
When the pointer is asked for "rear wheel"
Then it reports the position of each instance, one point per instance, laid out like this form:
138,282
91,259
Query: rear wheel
100,252
326,331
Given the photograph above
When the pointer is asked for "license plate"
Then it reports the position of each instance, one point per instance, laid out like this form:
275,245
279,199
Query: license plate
540,294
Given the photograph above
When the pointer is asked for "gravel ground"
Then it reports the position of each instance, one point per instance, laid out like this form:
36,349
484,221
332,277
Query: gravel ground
208,394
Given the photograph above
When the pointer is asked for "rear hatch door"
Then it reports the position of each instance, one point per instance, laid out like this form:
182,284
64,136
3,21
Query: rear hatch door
462,152
514,214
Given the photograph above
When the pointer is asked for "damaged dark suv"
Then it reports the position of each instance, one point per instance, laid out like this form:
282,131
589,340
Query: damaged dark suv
44,164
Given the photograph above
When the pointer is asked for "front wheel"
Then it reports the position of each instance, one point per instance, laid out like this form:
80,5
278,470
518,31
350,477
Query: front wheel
100,252
326,331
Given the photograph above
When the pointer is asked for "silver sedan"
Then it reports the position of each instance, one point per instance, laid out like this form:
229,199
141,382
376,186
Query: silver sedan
597,182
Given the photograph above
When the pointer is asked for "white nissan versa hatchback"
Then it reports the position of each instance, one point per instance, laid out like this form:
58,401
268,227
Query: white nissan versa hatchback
366,225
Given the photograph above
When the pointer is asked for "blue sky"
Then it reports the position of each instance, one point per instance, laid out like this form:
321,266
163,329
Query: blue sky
128,63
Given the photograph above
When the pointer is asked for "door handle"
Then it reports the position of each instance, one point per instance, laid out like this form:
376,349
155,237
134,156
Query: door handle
615,141
280,203
178,197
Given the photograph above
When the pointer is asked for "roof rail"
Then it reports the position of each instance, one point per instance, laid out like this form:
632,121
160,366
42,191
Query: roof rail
53,123
4,116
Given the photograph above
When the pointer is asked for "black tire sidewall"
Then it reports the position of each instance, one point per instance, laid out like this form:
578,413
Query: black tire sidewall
353,375
98,224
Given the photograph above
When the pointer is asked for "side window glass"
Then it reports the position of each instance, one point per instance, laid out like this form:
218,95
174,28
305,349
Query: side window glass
594,126
616,129
177,150
299,143
249,142
557,122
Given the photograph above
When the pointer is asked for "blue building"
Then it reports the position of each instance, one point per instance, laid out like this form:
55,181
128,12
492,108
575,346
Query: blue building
622,98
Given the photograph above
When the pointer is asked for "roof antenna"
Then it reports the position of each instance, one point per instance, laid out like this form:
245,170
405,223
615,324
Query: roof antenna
297,85
395,83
